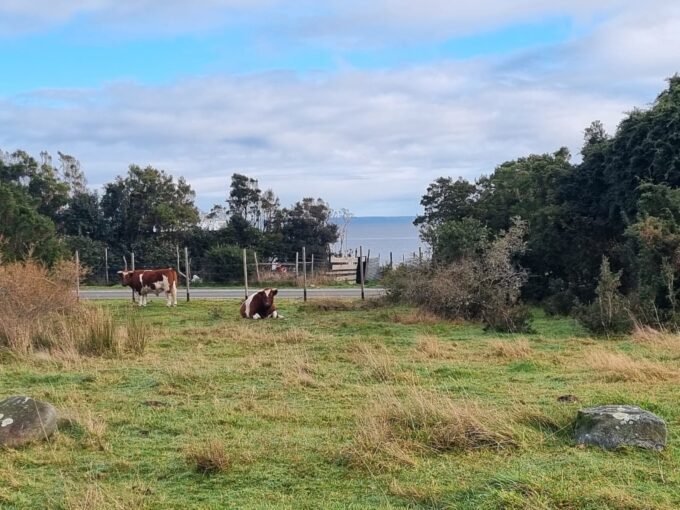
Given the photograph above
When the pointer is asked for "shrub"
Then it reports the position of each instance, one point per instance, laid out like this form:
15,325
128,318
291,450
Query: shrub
39,310
486,287
610,312
31,295
224,263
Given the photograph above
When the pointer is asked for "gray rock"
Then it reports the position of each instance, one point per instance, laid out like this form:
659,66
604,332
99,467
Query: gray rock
23,420
620,425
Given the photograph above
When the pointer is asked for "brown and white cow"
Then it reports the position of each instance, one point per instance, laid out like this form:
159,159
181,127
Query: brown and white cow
143,281
260,305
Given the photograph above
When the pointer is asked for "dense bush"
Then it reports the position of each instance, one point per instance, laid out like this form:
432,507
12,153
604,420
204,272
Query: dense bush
610,312
482,287
223,263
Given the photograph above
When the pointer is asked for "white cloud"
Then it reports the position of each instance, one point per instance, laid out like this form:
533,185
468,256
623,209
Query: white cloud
370,141
357,139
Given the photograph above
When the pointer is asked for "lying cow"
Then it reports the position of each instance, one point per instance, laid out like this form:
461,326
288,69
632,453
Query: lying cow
260,305
143,281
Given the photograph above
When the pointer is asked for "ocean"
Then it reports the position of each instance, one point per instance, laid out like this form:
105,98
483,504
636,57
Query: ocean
382,235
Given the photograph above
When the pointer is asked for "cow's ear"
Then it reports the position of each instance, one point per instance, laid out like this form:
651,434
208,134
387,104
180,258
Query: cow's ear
275,292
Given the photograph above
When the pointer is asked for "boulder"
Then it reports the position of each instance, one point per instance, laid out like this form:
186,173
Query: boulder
612,426
23,420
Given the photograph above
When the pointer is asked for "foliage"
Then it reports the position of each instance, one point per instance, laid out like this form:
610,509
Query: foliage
244,199
30,197
455,239
610,312
147,204
224,263
484,285
308,224
621,201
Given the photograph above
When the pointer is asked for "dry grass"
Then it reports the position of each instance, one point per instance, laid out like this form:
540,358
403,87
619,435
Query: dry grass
616,367
431,347
31,294
297,370
422,421
416,316
294,336
95,497
659,340
136,334
518,348
39,312
208,457
376,360
90,428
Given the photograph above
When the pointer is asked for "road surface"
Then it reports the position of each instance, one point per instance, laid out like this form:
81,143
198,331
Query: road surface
214,293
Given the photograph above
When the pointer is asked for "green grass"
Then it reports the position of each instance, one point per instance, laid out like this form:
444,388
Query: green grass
284,400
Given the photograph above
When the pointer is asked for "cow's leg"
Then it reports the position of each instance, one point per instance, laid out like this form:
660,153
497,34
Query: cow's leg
168,298
256,316
140,301
173,292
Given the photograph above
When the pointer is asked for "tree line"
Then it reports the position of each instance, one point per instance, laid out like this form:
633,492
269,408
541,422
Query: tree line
604,229
48,212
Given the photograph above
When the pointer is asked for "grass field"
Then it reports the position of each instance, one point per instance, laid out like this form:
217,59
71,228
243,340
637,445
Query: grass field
358,408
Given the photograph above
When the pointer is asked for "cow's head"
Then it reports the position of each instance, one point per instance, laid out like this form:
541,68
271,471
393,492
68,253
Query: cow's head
125,277
267,296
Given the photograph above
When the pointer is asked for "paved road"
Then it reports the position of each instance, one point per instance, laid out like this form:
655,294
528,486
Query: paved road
213,293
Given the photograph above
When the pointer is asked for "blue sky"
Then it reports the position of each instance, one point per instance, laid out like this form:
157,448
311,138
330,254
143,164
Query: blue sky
361,103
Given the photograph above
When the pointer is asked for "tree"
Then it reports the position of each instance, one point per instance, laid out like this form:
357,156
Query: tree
72,174
148,204
345,216
307,224
445,200
244,198
30,198
270,207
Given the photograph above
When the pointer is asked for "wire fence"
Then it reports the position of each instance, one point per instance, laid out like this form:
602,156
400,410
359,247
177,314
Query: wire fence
102,268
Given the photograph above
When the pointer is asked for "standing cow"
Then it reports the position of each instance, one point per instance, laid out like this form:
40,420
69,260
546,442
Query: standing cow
143,281
260,305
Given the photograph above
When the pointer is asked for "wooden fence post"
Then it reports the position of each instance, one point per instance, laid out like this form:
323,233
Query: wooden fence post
132,263
361,271
312,268
257,267
297,260
245,272
106,264
304,274
77,276
188,272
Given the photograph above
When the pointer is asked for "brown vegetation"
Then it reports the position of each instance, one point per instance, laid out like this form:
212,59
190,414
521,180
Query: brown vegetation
518,348
432,347
613,367
208,457
375,359
661,340
417,316
396,427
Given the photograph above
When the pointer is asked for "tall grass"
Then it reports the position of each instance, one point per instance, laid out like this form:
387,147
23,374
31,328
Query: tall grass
39,310
617,367
423,421
137,334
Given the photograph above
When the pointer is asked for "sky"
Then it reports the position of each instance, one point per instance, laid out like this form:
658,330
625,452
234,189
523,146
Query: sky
360,102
